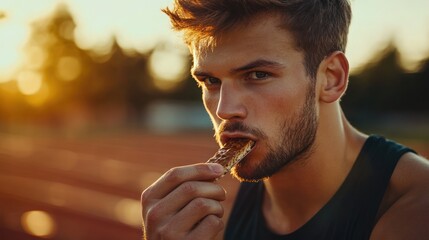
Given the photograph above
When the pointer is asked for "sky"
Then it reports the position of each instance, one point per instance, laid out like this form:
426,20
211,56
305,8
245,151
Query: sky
139,24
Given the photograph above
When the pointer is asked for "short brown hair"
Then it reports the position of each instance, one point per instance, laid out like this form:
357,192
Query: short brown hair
319,27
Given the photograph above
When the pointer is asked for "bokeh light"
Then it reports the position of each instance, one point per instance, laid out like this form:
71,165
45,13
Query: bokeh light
68,68
38,223
92,92
42,96
29,82
15,22
168,67
128,211
35,57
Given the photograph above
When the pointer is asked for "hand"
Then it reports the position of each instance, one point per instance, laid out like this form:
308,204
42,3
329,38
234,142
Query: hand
184,203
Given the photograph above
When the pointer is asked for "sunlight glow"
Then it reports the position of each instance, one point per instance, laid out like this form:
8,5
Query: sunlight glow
38,223
136,24
168,67
404,23
140,25
15,31
29,82
12,37
35,57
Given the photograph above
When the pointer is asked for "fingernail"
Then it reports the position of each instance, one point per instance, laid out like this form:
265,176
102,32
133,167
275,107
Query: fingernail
216,168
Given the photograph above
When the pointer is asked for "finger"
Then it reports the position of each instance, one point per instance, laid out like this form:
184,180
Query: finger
208,228
152,205
176,176
193,213
185,193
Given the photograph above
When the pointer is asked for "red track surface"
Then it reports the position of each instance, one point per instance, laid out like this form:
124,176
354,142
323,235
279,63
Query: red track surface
91,186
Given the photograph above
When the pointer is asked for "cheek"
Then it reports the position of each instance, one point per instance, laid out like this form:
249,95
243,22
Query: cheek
274,104
210,103
276,108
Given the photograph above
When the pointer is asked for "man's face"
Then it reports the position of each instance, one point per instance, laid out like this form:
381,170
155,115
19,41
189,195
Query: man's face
255,86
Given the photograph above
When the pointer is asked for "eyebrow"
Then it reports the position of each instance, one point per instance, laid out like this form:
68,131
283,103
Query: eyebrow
196,73
257,63
254,64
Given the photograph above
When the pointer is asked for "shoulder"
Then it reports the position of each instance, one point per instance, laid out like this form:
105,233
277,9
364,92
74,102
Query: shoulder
405,208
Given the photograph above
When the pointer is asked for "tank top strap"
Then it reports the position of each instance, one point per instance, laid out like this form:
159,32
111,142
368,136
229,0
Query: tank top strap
359,197
349,214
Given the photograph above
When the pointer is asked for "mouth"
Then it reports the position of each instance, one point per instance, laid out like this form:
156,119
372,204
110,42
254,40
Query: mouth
232,152
226,137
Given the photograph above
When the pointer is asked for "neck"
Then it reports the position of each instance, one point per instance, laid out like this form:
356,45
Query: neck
298,191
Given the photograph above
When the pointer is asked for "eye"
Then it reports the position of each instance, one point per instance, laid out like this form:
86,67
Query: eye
208,82
211,81
258,75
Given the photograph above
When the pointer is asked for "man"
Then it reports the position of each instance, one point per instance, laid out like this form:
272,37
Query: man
274,71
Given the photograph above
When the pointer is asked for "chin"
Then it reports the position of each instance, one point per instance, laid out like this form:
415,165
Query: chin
243,176
248,170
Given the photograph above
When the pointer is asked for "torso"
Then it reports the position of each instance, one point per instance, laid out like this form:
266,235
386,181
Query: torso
350,214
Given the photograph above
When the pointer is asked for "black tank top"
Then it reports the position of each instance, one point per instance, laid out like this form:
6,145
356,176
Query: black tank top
350,214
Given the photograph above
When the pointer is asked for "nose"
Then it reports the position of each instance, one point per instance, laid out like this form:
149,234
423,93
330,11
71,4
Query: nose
230,103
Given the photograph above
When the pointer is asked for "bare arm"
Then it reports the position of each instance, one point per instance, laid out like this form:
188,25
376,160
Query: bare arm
408,216
184,203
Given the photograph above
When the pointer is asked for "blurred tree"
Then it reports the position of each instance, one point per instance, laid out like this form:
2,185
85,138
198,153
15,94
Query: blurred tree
384,87
119,85
78,85
62,84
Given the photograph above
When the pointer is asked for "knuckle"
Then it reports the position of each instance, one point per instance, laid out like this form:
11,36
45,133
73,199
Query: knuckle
214,222
221,193
221,210
189,188
153,214
173,175
167,232
158,226
145,195
202,168
150,216
144,202
201,204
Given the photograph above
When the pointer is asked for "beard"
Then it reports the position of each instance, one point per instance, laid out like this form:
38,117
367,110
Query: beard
297,138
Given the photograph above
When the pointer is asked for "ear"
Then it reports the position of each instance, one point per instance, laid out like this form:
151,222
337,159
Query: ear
335,73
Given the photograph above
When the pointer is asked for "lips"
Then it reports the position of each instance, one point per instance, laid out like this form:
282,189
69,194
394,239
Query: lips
225,137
